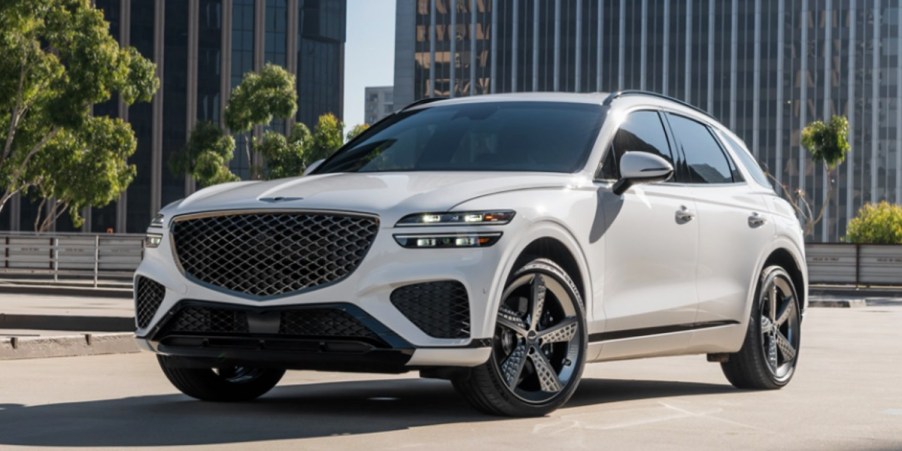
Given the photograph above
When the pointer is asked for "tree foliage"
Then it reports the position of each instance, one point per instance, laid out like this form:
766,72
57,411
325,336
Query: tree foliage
358,129
261,97
257,100
82,167
206,156
876,224
327,137
58,60
827,142
285,157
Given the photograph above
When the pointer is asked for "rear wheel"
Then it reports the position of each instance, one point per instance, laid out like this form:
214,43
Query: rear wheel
770,352
539,346
222,384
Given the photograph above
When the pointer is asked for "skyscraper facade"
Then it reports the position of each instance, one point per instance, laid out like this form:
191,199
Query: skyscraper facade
378,103
766,68
202,49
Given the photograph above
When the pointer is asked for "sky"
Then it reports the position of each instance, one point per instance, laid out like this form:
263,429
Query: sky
369,53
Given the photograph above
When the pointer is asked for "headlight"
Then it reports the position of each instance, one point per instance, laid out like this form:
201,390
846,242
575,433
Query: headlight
496,217
447,240
157,222
152,240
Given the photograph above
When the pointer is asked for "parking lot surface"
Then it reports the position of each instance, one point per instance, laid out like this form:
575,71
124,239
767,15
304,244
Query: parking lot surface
847,394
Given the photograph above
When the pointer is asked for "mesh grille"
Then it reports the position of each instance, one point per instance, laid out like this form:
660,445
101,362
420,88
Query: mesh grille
269,254
210,320
148,296
295,323
323,323
440,309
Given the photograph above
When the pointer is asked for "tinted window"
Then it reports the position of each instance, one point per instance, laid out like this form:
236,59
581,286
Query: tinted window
705,161
498,136
747,160
641,132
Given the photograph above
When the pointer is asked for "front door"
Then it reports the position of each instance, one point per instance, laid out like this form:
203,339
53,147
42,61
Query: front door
650,242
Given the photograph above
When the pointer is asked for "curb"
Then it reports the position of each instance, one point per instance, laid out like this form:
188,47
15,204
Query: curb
66,290
838,303
15,348
67,322
855,303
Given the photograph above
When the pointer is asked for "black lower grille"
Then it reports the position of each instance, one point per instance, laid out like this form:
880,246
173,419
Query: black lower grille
148,297
440,309
306,323
330,323
210,320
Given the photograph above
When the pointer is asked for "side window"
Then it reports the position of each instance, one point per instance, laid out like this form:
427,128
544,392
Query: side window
642,131
705,159
747,160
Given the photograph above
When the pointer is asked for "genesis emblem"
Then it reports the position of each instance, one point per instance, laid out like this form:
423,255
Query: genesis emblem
279,199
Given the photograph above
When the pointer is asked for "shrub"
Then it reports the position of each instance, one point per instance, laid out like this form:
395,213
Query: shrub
876,224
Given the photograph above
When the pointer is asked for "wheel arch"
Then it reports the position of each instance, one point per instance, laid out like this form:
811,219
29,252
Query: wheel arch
785,259
558,252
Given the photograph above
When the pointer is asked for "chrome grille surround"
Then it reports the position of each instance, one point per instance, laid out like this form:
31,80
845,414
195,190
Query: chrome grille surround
266,254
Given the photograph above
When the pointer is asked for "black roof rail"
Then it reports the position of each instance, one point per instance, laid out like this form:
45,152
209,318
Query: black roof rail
635,92
422,101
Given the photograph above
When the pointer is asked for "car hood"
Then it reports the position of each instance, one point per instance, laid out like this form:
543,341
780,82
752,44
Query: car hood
381,193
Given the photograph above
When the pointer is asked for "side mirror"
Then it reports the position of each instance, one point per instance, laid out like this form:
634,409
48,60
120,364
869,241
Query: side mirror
641,167
313,166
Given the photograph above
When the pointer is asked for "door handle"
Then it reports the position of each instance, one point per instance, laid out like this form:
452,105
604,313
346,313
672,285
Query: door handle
683,215
756,220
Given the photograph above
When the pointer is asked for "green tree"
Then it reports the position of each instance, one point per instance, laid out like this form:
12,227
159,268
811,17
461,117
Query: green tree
81,167
827,143
285,157
257,100
876,224
58,60
206,156
327,137
358,129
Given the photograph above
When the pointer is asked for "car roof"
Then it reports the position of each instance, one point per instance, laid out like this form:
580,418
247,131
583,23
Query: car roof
596,98
568,97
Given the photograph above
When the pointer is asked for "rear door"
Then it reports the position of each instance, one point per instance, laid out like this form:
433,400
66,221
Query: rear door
733,222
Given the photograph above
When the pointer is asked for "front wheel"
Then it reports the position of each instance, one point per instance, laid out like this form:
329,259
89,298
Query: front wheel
222,384
770,352
539,346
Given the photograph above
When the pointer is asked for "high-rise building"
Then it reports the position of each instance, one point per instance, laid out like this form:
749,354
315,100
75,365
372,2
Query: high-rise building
766,68
202,49
378,103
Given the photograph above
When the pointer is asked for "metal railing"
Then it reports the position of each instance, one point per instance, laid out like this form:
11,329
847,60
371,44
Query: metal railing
854,264
60,257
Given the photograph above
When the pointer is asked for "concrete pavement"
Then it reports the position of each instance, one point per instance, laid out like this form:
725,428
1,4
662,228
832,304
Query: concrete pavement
38,324
845,395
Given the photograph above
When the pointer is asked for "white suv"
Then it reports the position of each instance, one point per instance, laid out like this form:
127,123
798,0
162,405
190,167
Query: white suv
501,242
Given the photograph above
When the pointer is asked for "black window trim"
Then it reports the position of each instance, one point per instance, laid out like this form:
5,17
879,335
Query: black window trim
608,145
681,169
723,135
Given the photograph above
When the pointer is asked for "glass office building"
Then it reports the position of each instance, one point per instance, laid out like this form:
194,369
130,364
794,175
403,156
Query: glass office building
765,68
202,48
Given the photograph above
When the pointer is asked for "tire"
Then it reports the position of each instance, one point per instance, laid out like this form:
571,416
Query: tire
768,357
226,384
537,359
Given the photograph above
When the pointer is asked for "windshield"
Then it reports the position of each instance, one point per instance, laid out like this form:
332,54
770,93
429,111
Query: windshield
496,136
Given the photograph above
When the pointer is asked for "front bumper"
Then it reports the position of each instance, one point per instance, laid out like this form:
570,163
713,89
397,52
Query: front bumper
329,337
365,294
